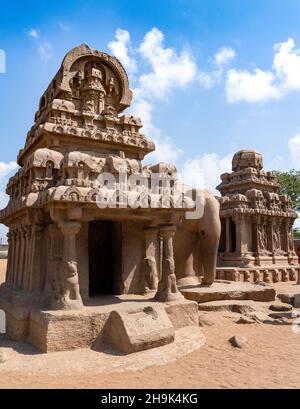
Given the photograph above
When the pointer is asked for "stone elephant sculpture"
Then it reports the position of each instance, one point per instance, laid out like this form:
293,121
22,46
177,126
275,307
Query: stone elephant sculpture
196,244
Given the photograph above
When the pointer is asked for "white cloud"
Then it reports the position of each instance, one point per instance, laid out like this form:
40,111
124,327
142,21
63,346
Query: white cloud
6,170
294,149
121,49
224,56
169,69
44,48
221,58
33,33
263,85
286,64
204,172
64,26
251,87
45,51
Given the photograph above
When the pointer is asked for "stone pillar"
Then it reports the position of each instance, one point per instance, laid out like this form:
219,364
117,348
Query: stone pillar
167,287
238,235
21,254
13,256
228,236
151,251
270,236
71,298
26,257
255,237
34,279
8,268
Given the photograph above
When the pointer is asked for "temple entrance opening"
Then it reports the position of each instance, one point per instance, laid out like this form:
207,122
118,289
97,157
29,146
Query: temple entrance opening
104,257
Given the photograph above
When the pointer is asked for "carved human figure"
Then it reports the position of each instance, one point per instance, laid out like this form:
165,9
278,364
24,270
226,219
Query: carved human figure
276,277
151,245
267,276
262,238
247,277
285,275
256,276
293,274
276,238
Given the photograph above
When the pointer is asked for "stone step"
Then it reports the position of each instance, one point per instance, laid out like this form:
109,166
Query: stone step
240,307
227,290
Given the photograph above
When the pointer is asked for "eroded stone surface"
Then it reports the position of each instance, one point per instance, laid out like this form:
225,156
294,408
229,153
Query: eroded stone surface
287,298
280,307
229,291
228,305
140,330
297,301
245,320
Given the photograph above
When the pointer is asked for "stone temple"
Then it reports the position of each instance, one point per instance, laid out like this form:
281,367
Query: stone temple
257,224
77,263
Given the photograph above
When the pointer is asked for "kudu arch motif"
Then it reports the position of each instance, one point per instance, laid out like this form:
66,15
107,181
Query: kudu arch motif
54,218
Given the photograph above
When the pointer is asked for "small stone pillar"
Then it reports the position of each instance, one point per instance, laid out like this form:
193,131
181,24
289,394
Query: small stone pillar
9,259
167,287
71,298
151,251
238,235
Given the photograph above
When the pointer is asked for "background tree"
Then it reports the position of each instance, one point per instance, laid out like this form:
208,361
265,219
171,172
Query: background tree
290,185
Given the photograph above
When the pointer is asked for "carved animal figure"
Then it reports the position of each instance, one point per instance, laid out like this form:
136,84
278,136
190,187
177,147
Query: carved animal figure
196,243
71,284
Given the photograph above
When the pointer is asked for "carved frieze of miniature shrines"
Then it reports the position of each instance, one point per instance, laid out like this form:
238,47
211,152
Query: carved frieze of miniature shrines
256,220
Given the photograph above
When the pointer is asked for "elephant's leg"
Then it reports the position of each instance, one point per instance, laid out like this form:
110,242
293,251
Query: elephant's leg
209,232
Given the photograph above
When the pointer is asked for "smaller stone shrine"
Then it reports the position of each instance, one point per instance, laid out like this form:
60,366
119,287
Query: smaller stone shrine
257,224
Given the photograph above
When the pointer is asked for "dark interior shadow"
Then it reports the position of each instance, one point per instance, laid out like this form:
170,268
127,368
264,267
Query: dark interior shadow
110,300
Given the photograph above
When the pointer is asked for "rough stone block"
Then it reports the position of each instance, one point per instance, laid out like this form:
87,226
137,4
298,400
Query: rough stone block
287,298
183,313
62,331
139,330
229,291
297,301
237,306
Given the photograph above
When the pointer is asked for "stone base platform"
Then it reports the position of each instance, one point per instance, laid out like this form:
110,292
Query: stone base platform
127,324
268,274
226,290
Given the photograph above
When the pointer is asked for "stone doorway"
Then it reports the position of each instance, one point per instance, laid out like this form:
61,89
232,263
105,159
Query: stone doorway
104,257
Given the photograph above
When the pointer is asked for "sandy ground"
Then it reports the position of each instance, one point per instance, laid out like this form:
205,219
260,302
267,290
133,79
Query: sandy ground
271,360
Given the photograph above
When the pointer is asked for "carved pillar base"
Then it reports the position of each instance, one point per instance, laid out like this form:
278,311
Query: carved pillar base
71,298
167,287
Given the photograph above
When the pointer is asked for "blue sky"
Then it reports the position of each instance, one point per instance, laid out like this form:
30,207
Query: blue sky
208,80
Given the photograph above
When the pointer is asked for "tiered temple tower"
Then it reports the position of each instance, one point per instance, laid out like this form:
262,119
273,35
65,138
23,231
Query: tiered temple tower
257,224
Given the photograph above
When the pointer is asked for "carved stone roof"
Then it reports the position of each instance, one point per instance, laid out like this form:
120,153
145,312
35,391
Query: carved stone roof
248,189
247,159
82,106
